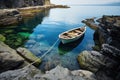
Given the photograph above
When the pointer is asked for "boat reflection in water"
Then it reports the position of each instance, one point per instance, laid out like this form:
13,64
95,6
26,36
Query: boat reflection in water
65,48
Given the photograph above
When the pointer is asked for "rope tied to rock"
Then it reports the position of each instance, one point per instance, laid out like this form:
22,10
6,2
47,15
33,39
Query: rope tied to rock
43,54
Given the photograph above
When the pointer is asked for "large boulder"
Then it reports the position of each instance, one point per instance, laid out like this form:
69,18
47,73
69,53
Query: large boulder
102,65
9,59
91,61
58,73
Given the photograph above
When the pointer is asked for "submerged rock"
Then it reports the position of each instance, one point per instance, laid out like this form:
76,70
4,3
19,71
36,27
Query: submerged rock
29,56
15,40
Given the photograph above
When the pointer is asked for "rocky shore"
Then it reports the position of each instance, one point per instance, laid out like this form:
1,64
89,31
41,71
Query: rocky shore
105,62
15,65
15,16
11,59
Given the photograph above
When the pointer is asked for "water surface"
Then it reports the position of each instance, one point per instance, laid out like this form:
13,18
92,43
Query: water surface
39,33
59,20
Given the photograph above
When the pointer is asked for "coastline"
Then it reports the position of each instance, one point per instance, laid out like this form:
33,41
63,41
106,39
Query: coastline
16,15
97,64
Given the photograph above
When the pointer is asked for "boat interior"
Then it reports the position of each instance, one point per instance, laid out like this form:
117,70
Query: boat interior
72,33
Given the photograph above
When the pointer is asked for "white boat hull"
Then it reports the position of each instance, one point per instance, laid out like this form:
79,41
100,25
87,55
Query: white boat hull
65,41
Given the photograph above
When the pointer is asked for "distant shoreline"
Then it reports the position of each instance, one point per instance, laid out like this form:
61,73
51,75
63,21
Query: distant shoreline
109,4
16,15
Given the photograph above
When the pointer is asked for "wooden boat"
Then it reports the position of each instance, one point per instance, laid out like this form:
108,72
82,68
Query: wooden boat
72,35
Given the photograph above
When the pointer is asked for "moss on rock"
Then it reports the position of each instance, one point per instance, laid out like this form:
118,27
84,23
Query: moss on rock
29,56
2,38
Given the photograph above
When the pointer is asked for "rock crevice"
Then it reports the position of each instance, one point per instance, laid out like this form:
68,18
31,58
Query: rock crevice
105,63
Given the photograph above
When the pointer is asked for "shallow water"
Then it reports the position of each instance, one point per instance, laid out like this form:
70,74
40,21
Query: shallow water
59,20
38,34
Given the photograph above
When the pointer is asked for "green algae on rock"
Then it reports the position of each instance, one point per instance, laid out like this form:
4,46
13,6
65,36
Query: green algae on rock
90,61
29,56
2,38
24,34
15,40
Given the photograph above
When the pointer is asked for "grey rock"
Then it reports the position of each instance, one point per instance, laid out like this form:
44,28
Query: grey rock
91,23
9,17
111,51
101,36
106,62
102,65
91,61
109,30
118,75
26,73
101,75
58,73
9,59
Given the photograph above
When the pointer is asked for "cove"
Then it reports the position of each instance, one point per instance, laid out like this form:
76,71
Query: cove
45,35
39,33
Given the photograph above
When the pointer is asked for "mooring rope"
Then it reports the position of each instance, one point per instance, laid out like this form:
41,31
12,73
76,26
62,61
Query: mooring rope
49,49
43,54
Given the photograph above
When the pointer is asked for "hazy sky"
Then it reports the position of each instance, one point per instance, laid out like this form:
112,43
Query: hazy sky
83,1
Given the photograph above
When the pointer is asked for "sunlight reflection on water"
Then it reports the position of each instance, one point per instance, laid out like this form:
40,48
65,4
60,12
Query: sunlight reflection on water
59,20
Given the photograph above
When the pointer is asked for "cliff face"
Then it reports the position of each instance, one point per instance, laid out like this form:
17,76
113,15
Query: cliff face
22,3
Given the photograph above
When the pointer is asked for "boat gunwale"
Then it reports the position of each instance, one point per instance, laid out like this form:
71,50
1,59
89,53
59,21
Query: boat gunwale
72,30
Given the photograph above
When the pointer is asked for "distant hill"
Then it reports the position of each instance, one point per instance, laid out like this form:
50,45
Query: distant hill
113,4
108,4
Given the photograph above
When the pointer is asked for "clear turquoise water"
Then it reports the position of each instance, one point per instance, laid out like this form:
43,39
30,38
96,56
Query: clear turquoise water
46,33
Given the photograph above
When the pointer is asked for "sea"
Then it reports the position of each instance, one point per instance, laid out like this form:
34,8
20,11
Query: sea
43,30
